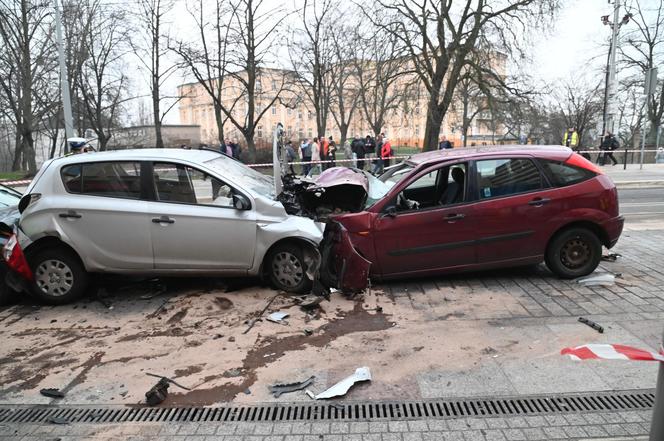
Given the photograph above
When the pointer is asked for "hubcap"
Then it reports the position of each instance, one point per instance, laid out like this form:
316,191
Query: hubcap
54,277
575,253
287,269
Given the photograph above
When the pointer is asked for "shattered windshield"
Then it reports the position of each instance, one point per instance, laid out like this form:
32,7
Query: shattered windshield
238,172
377,189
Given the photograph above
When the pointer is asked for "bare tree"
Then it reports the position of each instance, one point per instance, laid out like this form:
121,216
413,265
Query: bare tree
232,63
101,81
644,50
440,36
312,56
580,106
207,59
155,43
345,90
385,80
26,68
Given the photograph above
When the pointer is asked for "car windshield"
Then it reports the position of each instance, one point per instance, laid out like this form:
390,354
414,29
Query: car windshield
377,189
396,174
238,172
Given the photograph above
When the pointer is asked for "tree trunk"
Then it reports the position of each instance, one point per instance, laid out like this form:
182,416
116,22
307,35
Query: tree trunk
251,148
159,142
220,124
54,142
343,130
18,151
432,130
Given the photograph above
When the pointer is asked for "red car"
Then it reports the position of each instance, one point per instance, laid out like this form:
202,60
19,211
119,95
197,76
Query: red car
475,209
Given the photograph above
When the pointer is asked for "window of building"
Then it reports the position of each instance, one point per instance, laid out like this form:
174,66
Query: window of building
274,110
289,111
259,131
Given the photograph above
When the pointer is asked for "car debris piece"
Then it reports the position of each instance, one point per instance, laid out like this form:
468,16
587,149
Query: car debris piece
605,279
311,301
611,257
592,324
58,420
278,317
277,389
157,393
342,387
307,331
52,393
253,321
170,380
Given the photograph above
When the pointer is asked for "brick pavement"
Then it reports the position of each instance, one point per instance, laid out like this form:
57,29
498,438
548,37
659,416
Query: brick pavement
630,425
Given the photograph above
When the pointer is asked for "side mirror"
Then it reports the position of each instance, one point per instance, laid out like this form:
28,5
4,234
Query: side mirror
241,202
390,211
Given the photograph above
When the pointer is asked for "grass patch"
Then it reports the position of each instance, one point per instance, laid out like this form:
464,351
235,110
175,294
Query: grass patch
11,176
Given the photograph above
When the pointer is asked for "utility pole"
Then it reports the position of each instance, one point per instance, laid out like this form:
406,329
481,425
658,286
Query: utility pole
657,423
648,90
64,82
610,94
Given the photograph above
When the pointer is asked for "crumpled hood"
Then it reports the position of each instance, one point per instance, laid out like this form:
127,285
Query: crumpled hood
337,190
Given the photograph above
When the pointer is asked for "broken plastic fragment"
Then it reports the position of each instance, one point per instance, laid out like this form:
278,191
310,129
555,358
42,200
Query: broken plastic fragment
52,393
342,387
598,280
278,317
278,389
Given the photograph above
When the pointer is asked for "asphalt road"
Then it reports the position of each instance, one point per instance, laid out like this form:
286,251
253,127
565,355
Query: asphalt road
642,204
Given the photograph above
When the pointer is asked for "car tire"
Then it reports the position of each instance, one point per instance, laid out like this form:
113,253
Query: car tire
59,276
285,268
574,252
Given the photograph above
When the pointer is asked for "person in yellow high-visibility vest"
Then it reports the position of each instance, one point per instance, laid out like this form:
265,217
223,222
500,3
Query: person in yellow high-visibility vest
571,138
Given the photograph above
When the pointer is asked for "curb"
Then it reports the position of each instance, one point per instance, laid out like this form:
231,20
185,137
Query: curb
639,184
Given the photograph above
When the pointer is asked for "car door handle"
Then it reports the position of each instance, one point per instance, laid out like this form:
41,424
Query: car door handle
163,220
455,216
538,202
71,214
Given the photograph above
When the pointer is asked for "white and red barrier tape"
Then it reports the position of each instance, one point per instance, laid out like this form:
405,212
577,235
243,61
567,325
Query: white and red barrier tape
612,352
341,161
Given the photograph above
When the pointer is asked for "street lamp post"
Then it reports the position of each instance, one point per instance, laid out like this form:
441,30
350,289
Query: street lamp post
610,93
64,82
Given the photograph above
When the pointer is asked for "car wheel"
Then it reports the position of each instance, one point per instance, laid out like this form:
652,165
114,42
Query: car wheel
59,277
285,267
574,252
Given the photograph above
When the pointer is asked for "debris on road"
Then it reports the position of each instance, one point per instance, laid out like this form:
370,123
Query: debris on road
611,257
58,420
52,393
308,331
168,380
231,373
592,324
342,387
253,321
157,393
311,301
611,352
278,317
277,389
605,279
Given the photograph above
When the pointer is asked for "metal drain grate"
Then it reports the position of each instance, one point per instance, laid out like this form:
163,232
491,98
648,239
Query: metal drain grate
389,410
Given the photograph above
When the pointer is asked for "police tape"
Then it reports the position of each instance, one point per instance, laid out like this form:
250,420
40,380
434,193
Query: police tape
612,352
354,161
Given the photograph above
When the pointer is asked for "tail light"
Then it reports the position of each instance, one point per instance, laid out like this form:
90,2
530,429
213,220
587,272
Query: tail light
13,255
577,160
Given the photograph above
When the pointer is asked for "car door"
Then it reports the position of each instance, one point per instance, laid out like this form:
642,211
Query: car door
510,209
420,233
106,216
194,225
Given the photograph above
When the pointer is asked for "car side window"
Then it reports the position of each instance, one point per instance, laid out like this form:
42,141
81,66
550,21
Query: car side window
440,187
504,177
184,184
561,174
111,179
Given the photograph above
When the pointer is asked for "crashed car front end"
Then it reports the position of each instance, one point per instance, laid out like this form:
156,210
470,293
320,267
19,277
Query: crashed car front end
336,191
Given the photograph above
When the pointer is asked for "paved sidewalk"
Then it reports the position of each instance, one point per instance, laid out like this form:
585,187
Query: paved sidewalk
651,175
632,425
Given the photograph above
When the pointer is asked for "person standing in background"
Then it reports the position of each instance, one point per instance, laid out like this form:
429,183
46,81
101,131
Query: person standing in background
444,143
305,152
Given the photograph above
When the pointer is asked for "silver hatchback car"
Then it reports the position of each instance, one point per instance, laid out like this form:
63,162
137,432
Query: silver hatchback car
156,212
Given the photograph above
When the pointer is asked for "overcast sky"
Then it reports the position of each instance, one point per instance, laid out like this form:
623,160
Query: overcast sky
575,46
